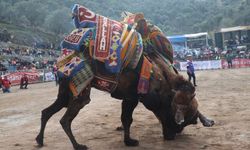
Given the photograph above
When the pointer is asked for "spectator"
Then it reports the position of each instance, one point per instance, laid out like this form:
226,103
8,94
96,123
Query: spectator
190,70
229,58
24,82
1,80
6,85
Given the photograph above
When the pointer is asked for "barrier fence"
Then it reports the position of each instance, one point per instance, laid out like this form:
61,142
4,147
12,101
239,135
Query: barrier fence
34,76
45,75
214,64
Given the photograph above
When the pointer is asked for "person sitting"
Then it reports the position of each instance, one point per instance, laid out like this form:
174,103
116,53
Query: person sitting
24,82
6,85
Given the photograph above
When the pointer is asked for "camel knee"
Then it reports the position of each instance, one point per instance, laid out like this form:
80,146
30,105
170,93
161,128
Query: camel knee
45,115
64,122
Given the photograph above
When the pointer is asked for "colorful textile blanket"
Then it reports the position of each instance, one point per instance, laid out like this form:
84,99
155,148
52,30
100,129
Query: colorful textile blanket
115,43
74,67
108,44
77,38
153,37
83,17
145,74
162,45
81,79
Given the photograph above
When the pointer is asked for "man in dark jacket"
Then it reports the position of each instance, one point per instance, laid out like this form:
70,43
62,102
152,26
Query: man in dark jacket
24,82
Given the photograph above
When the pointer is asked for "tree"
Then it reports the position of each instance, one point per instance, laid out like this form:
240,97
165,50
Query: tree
58,22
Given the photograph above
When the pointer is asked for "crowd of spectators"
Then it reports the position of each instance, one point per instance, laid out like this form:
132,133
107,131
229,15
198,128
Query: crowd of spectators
22,58
211,53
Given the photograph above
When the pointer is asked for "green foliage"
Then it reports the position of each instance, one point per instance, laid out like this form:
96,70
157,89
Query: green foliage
172,16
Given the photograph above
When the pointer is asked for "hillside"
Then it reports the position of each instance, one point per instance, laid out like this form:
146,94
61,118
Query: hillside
28,36
173,17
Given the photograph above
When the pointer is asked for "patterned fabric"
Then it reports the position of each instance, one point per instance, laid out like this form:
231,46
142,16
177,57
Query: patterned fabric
115,44
104,84
66,56
162,44
112,39
81,79
103,36
145,74
76,39
83,17
153,37
74,67
136,53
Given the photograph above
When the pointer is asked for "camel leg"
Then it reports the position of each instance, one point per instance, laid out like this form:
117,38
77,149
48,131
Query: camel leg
46,114
73,109
61,101
205,121
128,107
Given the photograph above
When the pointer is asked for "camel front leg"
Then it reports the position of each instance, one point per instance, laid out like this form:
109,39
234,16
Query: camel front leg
73,109
205,121
46,114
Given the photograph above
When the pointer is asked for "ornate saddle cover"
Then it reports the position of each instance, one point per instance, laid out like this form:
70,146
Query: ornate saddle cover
154,39
116,44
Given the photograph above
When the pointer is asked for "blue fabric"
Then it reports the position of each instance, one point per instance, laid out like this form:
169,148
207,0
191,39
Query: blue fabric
6,90
190,67
81,23
66,43
115,68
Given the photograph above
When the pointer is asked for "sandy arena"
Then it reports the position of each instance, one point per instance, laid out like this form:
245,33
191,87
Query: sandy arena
224,95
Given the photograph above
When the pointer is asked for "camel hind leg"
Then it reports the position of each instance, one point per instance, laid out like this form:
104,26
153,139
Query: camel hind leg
47,113
128,106
75,105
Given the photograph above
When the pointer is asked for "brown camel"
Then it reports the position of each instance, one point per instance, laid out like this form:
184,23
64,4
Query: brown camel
171,98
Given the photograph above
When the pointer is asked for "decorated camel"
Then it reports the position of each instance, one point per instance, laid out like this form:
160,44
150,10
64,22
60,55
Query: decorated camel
110,56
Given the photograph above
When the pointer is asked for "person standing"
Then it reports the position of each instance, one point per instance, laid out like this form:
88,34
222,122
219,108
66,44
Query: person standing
229,58
6,85
190,70
24,82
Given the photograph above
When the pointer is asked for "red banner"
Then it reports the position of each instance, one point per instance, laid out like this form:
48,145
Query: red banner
15,77
103,37
237,63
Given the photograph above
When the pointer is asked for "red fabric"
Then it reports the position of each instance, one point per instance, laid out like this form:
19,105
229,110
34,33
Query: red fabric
15,77
6,83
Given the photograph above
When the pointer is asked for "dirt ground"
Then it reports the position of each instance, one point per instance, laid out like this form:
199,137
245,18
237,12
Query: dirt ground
224,95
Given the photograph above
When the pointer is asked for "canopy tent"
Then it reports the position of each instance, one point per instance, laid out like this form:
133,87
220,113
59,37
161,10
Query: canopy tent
232,29
188,37
196,35
177,38
228,36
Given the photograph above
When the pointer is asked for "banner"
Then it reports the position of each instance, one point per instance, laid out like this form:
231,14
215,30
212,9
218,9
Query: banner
203,65
15,77
237,63
49,76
